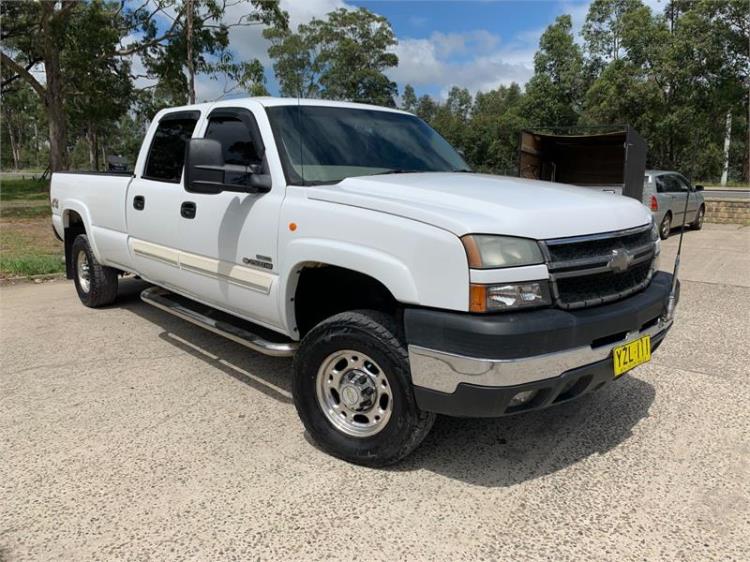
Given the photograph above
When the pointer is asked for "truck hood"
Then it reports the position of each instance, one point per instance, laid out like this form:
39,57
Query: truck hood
465,203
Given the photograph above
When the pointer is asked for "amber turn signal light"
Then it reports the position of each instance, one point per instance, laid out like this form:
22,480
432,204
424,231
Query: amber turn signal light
477,298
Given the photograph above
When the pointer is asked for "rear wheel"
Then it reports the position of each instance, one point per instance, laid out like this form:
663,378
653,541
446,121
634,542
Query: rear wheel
352,390
96,284
697,224
666,226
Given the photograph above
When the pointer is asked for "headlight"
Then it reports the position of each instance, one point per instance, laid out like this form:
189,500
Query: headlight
509,296
490,252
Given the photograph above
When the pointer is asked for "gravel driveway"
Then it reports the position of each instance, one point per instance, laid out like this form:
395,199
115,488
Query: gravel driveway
128,434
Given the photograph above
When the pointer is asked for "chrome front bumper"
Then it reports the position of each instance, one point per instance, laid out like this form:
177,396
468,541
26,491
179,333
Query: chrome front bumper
443,372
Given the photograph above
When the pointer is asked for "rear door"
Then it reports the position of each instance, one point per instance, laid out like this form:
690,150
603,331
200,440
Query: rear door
228,240
153,200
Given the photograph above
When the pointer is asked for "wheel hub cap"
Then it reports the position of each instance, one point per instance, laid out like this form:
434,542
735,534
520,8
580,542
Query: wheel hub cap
354,393
82,268
358,390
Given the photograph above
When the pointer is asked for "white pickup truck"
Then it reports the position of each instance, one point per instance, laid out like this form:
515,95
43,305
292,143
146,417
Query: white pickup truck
355,238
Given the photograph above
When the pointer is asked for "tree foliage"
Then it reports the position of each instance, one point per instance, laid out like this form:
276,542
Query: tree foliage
674,75
679,74
343,56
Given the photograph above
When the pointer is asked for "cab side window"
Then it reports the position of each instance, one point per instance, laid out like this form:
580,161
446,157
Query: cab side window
166,156
238,134
236,141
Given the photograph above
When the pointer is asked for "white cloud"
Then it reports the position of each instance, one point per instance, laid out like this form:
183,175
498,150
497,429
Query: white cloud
472,60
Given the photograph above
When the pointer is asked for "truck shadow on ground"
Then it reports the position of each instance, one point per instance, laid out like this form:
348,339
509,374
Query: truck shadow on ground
485,452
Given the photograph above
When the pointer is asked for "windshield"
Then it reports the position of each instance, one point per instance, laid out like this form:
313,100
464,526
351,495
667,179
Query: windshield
327,144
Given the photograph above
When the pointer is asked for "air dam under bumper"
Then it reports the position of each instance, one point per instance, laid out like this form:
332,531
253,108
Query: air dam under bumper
474,365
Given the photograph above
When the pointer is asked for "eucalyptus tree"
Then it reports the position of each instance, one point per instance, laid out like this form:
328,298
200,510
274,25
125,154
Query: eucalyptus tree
342,56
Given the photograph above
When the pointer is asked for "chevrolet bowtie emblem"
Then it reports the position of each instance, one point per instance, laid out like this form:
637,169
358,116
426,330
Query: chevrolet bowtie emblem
620,260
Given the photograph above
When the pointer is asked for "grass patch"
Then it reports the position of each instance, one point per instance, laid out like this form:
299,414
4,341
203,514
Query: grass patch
730,185
24,211
28,247
23,189
30,265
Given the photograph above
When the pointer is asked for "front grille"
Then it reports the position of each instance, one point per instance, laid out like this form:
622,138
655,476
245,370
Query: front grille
590,248
590,290
591,270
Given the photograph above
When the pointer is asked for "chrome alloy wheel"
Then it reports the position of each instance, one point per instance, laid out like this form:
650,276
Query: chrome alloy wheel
83,270
354,393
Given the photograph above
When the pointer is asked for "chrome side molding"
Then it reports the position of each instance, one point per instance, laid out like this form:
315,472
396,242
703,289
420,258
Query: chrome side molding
160,298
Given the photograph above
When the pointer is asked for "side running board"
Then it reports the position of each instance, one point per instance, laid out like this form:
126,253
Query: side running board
168,302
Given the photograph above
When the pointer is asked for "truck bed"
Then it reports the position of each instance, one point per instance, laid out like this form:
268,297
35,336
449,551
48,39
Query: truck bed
99,199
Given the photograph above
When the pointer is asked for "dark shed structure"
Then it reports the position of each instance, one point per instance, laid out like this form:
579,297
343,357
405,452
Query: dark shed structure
613,160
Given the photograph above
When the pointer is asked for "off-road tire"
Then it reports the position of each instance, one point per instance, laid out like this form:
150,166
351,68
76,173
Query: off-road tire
102,280
378,336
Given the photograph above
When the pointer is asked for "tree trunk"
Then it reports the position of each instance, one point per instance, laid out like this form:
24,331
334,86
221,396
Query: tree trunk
189,37
91,141
727,144
14,151
58,157
36,145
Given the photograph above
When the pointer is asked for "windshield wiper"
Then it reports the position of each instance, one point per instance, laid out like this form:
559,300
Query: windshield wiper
396,171
462,171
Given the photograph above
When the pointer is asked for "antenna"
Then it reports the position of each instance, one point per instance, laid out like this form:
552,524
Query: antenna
671,302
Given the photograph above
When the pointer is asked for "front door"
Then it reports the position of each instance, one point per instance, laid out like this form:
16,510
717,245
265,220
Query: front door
693,202
228,240
153,200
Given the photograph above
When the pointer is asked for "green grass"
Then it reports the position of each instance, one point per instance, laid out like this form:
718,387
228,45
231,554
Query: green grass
27,245
30,265
24,211
23,189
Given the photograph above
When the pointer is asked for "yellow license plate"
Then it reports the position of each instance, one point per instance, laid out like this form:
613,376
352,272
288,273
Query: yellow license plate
631,355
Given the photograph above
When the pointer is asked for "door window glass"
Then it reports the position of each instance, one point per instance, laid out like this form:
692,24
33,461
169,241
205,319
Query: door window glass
684,184
671,184
166,157
241,155
236,143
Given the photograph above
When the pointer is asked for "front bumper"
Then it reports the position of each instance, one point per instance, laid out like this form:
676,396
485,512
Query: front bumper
470,365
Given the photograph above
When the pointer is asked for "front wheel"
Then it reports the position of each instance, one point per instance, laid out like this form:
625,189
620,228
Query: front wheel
352,389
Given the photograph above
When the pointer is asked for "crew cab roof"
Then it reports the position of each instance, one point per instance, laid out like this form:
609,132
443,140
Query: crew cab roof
269,101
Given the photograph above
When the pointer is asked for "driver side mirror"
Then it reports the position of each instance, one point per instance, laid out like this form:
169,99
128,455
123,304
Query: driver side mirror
206,172
698,188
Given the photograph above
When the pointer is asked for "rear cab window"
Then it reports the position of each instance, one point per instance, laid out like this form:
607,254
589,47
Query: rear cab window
166,156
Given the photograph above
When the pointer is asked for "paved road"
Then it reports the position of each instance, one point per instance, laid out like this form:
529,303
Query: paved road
742,194
128,434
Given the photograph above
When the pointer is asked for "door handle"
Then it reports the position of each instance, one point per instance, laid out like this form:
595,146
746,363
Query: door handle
139,202
187,210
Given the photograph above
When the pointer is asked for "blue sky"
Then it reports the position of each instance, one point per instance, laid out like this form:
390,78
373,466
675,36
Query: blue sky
478,44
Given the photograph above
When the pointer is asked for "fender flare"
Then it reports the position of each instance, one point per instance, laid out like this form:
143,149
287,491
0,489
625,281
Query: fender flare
82,211
392,273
